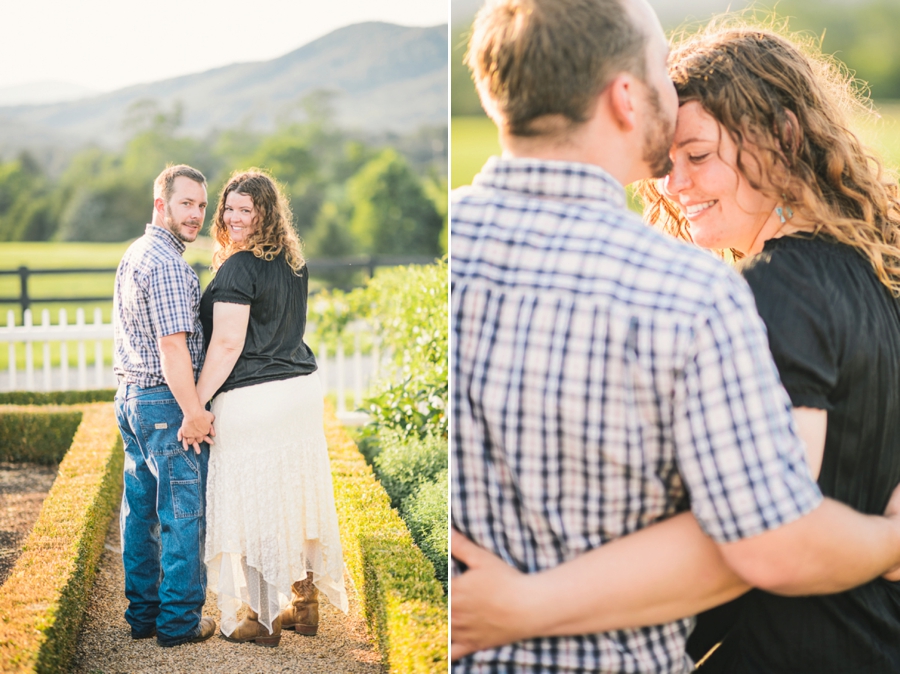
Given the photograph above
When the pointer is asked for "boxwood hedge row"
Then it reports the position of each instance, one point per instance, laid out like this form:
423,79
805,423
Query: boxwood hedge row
404,605
42,602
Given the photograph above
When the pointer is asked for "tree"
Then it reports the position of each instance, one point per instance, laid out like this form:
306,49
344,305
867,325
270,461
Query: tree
23,201
116,210
391,212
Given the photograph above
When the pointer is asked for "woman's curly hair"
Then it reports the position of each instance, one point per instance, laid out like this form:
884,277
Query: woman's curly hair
790,102
274,232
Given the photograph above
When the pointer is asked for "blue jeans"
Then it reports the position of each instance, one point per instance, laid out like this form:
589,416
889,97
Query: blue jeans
162,519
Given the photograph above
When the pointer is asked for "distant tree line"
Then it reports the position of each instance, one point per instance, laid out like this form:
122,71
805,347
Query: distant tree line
863,35
349,194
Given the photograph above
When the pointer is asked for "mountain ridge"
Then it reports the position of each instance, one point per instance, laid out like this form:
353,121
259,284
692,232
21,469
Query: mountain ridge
387,78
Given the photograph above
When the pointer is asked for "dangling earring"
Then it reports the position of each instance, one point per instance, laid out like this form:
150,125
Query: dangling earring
784,214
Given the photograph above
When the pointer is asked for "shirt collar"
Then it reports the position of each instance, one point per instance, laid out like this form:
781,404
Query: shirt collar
164,234
563,180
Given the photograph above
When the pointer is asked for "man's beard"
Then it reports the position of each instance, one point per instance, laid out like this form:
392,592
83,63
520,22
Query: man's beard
175,228
658,136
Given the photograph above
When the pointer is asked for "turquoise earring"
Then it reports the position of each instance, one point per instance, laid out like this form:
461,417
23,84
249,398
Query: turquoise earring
784,214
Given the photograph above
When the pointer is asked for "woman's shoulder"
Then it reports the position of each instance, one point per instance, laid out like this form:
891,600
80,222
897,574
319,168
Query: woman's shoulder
801,259
807,276
242,258
238,268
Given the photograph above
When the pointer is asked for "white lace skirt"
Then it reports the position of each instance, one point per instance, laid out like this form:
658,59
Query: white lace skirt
270,517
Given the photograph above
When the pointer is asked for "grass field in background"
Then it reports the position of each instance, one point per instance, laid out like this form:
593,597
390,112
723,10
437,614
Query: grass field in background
881,133
474,139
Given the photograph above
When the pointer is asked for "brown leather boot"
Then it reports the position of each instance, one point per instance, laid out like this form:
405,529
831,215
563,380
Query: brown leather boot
250,629
303,613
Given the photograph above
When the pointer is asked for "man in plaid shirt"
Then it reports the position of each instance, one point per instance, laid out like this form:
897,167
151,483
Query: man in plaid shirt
159,351
605,376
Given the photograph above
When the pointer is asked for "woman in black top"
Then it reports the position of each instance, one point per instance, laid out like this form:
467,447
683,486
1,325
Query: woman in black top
816,229
271,536
765,168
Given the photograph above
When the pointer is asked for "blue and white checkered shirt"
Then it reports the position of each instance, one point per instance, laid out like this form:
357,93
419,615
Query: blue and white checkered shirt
605,377
156,294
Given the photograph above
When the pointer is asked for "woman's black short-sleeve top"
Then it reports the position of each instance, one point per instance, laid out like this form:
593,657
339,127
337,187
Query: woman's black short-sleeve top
274,348
834,332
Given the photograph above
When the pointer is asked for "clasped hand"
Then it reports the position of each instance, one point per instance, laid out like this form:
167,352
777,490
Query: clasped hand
488,600
197,429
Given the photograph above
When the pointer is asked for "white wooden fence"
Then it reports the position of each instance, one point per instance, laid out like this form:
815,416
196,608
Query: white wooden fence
341,373
63,332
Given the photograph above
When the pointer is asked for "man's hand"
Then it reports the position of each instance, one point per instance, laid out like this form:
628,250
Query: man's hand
197,429
489,600
892,512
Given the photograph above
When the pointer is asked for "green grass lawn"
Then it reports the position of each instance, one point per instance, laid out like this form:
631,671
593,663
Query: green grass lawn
472,141
882,133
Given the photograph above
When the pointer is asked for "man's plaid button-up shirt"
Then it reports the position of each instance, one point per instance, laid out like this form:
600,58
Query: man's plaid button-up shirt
605,376
156,294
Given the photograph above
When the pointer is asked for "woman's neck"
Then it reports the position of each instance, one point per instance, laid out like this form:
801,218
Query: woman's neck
774,228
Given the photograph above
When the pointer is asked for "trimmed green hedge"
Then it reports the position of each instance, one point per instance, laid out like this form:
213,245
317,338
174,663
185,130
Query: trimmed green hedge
57,397
404,605
37,434
425,513
402,463
42,603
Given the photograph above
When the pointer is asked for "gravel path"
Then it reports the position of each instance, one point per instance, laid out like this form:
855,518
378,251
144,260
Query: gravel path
105,645
23,487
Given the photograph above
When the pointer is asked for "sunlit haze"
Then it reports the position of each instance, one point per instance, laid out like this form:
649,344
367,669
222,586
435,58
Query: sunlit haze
104,45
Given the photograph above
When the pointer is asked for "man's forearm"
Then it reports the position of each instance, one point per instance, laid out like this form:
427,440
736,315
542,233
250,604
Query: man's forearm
831,549
659,574
672,569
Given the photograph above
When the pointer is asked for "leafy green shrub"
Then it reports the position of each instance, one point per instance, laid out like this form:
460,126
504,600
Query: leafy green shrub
406,440
409,305
425,513
36,434
404,463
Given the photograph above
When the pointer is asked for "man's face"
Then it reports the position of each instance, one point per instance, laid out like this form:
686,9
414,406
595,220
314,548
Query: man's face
186,209
660,101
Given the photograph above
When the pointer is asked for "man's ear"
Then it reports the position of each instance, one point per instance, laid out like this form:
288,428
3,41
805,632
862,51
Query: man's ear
622,92
159,206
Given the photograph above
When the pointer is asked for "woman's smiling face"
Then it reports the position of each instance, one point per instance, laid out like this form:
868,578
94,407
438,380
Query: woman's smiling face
239,216
723,209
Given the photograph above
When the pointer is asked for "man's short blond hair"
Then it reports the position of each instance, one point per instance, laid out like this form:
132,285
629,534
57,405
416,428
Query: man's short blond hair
532,58
164,185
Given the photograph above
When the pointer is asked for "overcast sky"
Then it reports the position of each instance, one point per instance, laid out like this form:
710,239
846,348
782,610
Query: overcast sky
109,44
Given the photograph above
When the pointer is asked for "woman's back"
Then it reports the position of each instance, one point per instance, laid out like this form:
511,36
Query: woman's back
834,331
274,348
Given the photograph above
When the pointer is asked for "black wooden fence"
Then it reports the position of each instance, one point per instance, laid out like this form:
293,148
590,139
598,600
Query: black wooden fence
367,263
